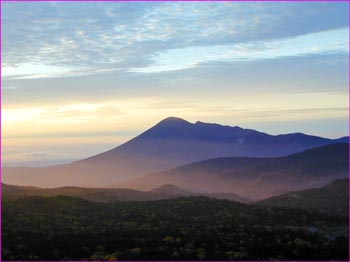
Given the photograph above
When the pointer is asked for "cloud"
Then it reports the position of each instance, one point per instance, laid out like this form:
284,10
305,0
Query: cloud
216,79
96,35
37,71
329,42
62,114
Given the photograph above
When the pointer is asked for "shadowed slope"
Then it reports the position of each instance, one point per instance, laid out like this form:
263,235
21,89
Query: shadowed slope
332,199
256,178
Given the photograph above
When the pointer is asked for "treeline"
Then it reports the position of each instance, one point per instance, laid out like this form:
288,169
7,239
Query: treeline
191,228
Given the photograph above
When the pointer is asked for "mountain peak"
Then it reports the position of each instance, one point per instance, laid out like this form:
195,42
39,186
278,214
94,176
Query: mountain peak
200,123
172,119
171,189
178,128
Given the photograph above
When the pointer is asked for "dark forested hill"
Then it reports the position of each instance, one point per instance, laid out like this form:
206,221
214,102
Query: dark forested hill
332,198
191,228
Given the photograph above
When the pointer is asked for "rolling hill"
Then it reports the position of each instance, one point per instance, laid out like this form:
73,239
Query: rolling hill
109,195
170,143
332,199
169,189
256,178
11,192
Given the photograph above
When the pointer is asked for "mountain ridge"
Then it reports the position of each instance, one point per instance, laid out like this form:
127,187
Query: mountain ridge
170,143
256,178
109,195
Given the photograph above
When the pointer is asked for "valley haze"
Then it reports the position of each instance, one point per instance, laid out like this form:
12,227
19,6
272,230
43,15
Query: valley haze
252,164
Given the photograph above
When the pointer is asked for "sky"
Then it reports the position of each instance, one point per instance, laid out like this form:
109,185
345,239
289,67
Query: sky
81,78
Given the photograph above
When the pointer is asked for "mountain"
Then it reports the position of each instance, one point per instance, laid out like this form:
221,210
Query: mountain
256,178
332,199
344,139
170,143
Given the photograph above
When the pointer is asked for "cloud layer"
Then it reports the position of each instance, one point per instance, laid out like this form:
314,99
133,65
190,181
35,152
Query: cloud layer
133,35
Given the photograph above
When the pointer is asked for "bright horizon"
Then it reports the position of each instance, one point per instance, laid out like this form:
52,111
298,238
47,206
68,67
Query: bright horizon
79,79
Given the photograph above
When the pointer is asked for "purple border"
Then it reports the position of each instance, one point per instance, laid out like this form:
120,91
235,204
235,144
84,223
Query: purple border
348,132
174,0
0,130
161,1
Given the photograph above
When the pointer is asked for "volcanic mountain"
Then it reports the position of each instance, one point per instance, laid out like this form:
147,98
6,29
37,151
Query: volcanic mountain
170,143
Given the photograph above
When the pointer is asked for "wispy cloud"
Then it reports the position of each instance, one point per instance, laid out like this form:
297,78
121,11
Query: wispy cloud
38,71
62,38
317,43
117,114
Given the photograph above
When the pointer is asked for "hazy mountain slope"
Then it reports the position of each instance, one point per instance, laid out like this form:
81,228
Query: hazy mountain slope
170,143
256,178
332,198
171,189
177,191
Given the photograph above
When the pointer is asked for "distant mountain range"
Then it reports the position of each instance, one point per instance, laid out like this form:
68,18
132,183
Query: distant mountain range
256,178
108,195
170,143
11,192
331,199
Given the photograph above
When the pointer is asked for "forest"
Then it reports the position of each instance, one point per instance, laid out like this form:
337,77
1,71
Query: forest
184,228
